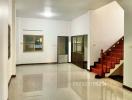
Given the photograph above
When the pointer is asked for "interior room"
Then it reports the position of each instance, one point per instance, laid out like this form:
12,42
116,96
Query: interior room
65,50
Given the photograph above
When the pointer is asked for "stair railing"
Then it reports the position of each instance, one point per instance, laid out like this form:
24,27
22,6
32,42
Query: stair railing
101,59
102,54
116,43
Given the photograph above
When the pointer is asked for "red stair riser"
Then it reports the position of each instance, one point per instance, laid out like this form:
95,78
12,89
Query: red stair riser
110,59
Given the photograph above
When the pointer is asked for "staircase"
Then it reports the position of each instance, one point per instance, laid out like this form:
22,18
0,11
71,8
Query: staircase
109,60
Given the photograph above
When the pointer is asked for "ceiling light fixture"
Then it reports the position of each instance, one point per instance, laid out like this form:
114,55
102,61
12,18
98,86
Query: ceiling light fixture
47,12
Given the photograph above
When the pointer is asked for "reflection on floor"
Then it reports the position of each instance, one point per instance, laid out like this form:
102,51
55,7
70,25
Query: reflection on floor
63,82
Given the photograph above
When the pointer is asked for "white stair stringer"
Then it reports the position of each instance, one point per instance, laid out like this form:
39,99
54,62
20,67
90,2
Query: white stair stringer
113,70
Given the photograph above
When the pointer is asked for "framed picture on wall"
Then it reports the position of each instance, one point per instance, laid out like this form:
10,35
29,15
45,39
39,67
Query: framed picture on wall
9,41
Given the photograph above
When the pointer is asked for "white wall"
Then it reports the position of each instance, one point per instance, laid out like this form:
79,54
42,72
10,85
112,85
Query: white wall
4,19
81,26
11,22
13,46
127,5
50,29
106,27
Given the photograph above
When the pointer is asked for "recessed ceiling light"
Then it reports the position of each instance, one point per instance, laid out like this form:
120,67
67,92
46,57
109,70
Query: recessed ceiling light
47,12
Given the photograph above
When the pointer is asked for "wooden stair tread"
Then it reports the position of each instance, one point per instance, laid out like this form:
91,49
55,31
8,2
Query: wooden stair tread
111,57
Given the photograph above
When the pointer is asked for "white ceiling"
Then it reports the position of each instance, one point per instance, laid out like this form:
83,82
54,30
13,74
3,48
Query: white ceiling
64,9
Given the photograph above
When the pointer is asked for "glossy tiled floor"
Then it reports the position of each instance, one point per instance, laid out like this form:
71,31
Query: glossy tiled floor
63,82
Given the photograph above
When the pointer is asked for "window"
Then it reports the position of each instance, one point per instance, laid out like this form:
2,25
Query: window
77,44
32,43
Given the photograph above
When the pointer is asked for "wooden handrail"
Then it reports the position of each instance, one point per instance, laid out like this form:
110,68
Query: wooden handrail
122,38
102,53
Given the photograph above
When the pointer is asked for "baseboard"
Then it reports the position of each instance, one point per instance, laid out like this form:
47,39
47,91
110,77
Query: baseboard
12,76
64,63
36,63
91,66
88,70
128,88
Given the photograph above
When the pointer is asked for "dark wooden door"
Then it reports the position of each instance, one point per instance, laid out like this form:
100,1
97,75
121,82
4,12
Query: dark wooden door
77,52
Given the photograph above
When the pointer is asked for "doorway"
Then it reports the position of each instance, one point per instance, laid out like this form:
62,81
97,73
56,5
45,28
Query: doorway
79,50
62,52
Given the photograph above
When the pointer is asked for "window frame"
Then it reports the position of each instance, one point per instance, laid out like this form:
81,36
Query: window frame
33,43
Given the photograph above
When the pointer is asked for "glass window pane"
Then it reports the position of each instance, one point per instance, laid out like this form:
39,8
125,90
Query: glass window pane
79,39
32,43
28,39
38,43
38,39
74,47
28,47
79,44
74,40
79,48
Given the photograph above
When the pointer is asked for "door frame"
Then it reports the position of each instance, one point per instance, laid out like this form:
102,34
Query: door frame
83,45
58,47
